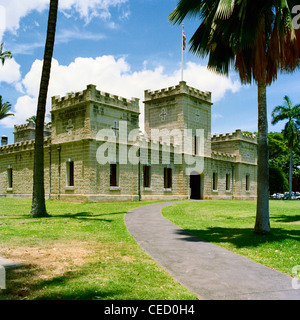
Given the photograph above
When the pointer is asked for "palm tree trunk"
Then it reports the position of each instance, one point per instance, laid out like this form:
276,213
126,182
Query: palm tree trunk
291,173
38,196
262,224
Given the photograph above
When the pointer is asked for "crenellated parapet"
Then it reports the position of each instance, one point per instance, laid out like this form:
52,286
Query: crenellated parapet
223,156
181,88
237,135
23,146
92,94
26,131
30,125
25,126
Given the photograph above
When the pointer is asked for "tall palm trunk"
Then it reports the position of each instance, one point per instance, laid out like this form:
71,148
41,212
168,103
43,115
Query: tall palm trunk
38,197
291,172
262,224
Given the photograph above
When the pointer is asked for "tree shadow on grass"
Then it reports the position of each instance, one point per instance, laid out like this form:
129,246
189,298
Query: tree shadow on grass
77,215
18,284
239,237
88,216
287,218
25,283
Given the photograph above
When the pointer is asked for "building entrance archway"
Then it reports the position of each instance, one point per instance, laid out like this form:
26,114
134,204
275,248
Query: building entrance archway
195,186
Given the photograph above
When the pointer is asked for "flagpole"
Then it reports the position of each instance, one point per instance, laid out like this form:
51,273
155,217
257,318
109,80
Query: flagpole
182,49
183,44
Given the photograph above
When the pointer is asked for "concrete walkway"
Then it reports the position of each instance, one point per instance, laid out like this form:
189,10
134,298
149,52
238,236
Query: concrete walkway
211,272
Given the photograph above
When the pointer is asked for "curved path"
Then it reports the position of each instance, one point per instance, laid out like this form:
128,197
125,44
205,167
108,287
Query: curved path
209,271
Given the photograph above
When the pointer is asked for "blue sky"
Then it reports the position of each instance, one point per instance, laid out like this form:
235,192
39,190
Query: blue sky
123,47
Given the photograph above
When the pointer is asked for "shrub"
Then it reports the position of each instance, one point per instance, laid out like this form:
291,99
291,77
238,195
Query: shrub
278,181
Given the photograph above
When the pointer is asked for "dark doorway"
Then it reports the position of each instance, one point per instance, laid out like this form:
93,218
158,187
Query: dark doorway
195,183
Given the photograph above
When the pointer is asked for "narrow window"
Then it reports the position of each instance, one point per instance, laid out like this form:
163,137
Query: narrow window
196,145
113,175
147,176
215,181
227,182
167,178
10,177
70,173
247,182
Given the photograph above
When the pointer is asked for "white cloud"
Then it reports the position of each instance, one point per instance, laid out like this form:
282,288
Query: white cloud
88,9
24,108
10,72
199,76
114,76
217,115
13,11
65,36
25,48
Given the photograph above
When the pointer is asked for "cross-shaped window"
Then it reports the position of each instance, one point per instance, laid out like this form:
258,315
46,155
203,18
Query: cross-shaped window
115,127
70,127
163,114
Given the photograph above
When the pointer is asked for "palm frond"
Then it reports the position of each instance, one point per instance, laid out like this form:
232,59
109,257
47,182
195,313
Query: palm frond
4,54
277,118
288,102
4,109
186,8
225,9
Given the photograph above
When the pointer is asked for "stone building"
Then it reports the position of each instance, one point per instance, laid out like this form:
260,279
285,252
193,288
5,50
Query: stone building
94,150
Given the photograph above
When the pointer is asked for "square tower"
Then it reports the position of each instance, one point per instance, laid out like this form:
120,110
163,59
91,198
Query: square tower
81,115
180,107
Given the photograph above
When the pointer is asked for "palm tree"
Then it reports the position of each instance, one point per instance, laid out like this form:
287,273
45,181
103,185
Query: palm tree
32,118
290,131
4,109
257,38
4,55
38,208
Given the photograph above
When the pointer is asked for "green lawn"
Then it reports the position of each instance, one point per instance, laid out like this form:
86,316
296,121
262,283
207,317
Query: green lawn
230,224
83,251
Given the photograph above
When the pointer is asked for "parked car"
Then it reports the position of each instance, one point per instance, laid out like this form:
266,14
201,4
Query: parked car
277,196
285,196
294,196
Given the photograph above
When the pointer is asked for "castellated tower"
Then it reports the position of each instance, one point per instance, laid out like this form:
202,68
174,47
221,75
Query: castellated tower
26,132
180,107
81,115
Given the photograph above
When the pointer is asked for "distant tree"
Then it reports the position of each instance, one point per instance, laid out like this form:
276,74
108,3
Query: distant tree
280,157
250,133
277,144
32,118
291,132
4,54
4,109
278,181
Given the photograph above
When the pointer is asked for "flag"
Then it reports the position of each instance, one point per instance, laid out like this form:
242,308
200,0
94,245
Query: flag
183,38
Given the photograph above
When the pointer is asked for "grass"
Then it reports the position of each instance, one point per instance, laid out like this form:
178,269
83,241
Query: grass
230,224
83,251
